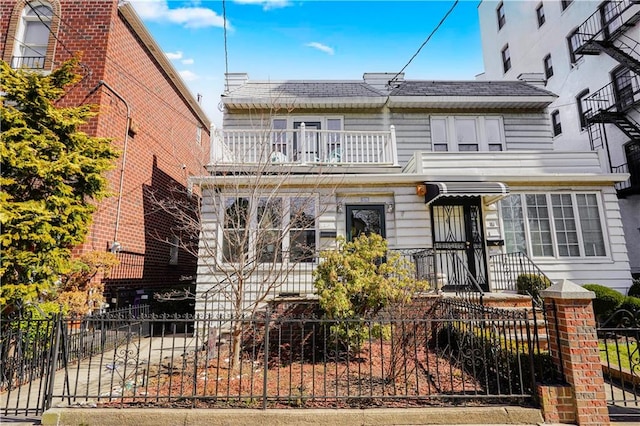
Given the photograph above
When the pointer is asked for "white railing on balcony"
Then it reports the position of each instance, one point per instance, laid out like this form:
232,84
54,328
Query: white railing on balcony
306,146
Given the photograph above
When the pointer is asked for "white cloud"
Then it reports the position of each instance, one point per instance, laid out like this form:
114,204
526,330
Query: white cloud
174,55
266,4
188,75
321,47
189,17
188,61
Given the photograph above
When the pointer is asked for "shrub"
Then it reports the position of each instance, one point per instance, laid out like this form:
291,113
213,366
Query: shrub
357,280
532,284
631,304
634,290
607,300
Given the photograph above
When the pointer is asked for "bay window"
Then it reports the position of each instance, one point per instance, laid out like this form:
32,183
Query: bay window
269,229
553,225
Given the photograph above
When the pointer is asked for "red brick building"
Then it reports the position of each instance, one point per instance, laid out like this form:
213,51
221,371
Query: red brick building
144,106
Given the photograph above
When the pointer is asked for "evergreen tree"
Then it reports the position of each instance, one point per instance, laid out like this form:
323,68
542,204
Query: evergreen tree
52,174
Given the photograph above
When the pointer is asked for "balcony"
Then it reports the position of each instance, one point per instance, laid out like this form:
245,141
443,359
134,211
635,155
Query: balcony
604,30
28,62
306,147
615,97
630,186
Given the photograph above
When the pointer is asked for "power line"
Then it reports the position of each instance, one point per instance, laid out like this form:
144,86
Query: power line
226,57
426,41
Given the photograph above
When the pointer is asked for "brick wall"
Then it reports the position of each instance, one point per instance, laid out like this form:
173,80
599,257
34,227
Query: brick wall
161,151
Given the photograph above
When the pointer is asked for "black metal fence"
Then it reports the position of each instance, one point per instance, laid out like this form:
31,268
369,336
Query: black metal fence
618,338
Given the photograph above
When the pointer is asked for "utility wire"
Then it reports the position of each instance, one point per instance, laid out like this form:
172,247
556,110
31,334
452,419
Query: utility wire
426,41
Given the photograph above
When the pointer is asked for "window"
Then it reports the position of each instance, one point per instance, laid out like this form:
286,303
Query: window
506,58
555,122
623,86
574,41
198,134
269,229
565,3
467,133
540,15
553,225
583,110
610,12
548,67
501,17
32,38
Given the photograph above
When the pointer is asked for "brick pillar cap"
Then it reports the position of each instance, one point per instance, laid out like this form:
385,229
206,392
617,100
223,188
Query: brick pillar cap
565,289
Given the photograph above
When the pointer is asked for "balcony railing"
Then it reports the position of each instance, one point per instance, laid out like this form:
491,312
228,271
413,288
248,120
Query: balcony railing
306,146
614,99
605,23
28,62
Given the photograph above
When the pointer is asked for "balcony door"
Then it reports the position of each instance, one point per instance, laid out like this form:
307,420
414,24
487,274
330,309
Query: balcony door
458,241
306,150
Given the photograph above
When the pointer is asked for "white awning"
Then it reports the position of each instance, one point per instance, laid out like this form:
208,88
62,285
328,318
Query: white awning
489,191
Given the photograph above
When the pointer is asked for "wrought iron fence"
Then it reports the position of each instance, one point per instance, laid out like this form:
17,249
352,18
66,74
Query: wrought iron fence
618,338
281,361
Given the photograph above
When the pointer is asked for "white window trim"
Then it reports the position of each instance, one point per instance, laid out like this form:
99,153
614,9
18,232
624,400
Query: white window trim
253,224
20,32
481,131
556,256
310,118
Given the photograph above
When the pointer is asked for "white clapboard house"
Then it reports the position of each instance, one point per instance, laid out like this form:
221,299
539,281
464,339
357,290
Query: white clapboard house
459,176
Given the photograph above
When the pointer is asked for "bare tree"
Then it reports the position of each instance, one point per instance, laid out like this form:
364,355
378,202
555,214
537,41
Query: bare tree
258,219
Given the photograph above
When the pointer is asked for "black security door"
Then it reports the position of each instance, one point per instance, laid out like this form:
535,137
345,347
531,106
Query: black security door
458,240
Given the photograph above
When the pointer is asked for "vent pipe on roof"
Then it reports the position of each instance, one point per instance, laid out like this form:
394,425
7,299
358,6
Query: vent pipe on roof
382,80
233,80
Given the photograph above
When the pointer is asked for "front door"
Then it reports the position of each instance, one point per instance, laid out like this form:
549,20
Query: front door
458,241
365,219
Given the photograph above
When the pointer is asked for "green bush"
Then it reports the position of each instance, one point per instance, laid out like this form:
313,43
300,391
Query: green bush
607,300
634,290
631,304
357,280
532,284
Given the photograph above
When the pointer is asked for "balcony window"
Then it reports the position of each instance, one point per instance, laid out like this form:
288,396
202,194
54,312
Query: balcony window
269,229
583,110
555,123
501,17
560,225
610,17
32,37
318,146
565,4
506,59
467,133
540,15
548,67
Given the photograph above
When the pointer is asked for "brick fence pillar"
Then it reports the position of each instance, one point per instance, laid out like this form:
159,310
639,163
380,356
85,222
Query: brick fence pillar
574,346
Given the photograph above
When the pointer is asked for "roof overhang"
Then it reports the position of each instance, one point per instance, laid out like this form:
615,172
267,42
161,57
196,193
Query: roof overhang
489,191
300,102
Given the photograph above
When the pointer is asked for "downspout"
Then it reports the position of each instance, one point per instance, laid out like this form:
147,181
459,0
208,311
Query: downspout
115,246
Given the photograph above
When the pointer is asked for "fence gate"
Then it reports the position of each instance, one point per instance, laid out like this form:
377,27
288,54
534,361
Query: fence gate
28,360
618,339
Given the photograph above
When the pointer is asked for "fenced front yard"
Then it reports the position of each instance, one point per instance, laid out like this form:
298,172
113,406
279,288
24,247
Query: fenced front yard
438,353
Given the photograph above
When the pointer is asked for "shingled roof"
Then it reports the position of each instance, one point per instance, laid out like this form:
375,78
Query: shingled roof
304,89
468,88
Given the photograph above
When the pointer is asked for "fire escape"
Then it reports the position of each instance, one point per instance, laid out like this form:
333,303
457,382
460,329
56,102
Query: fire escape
604,33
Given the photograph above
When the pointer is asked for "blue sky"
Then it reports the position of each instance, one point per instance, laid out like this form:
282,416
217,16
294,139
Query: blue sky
312,39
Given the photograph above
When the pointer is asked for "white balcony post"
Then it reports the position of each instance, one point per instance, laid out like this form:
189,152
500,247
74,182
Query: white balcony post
393,147
303,142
